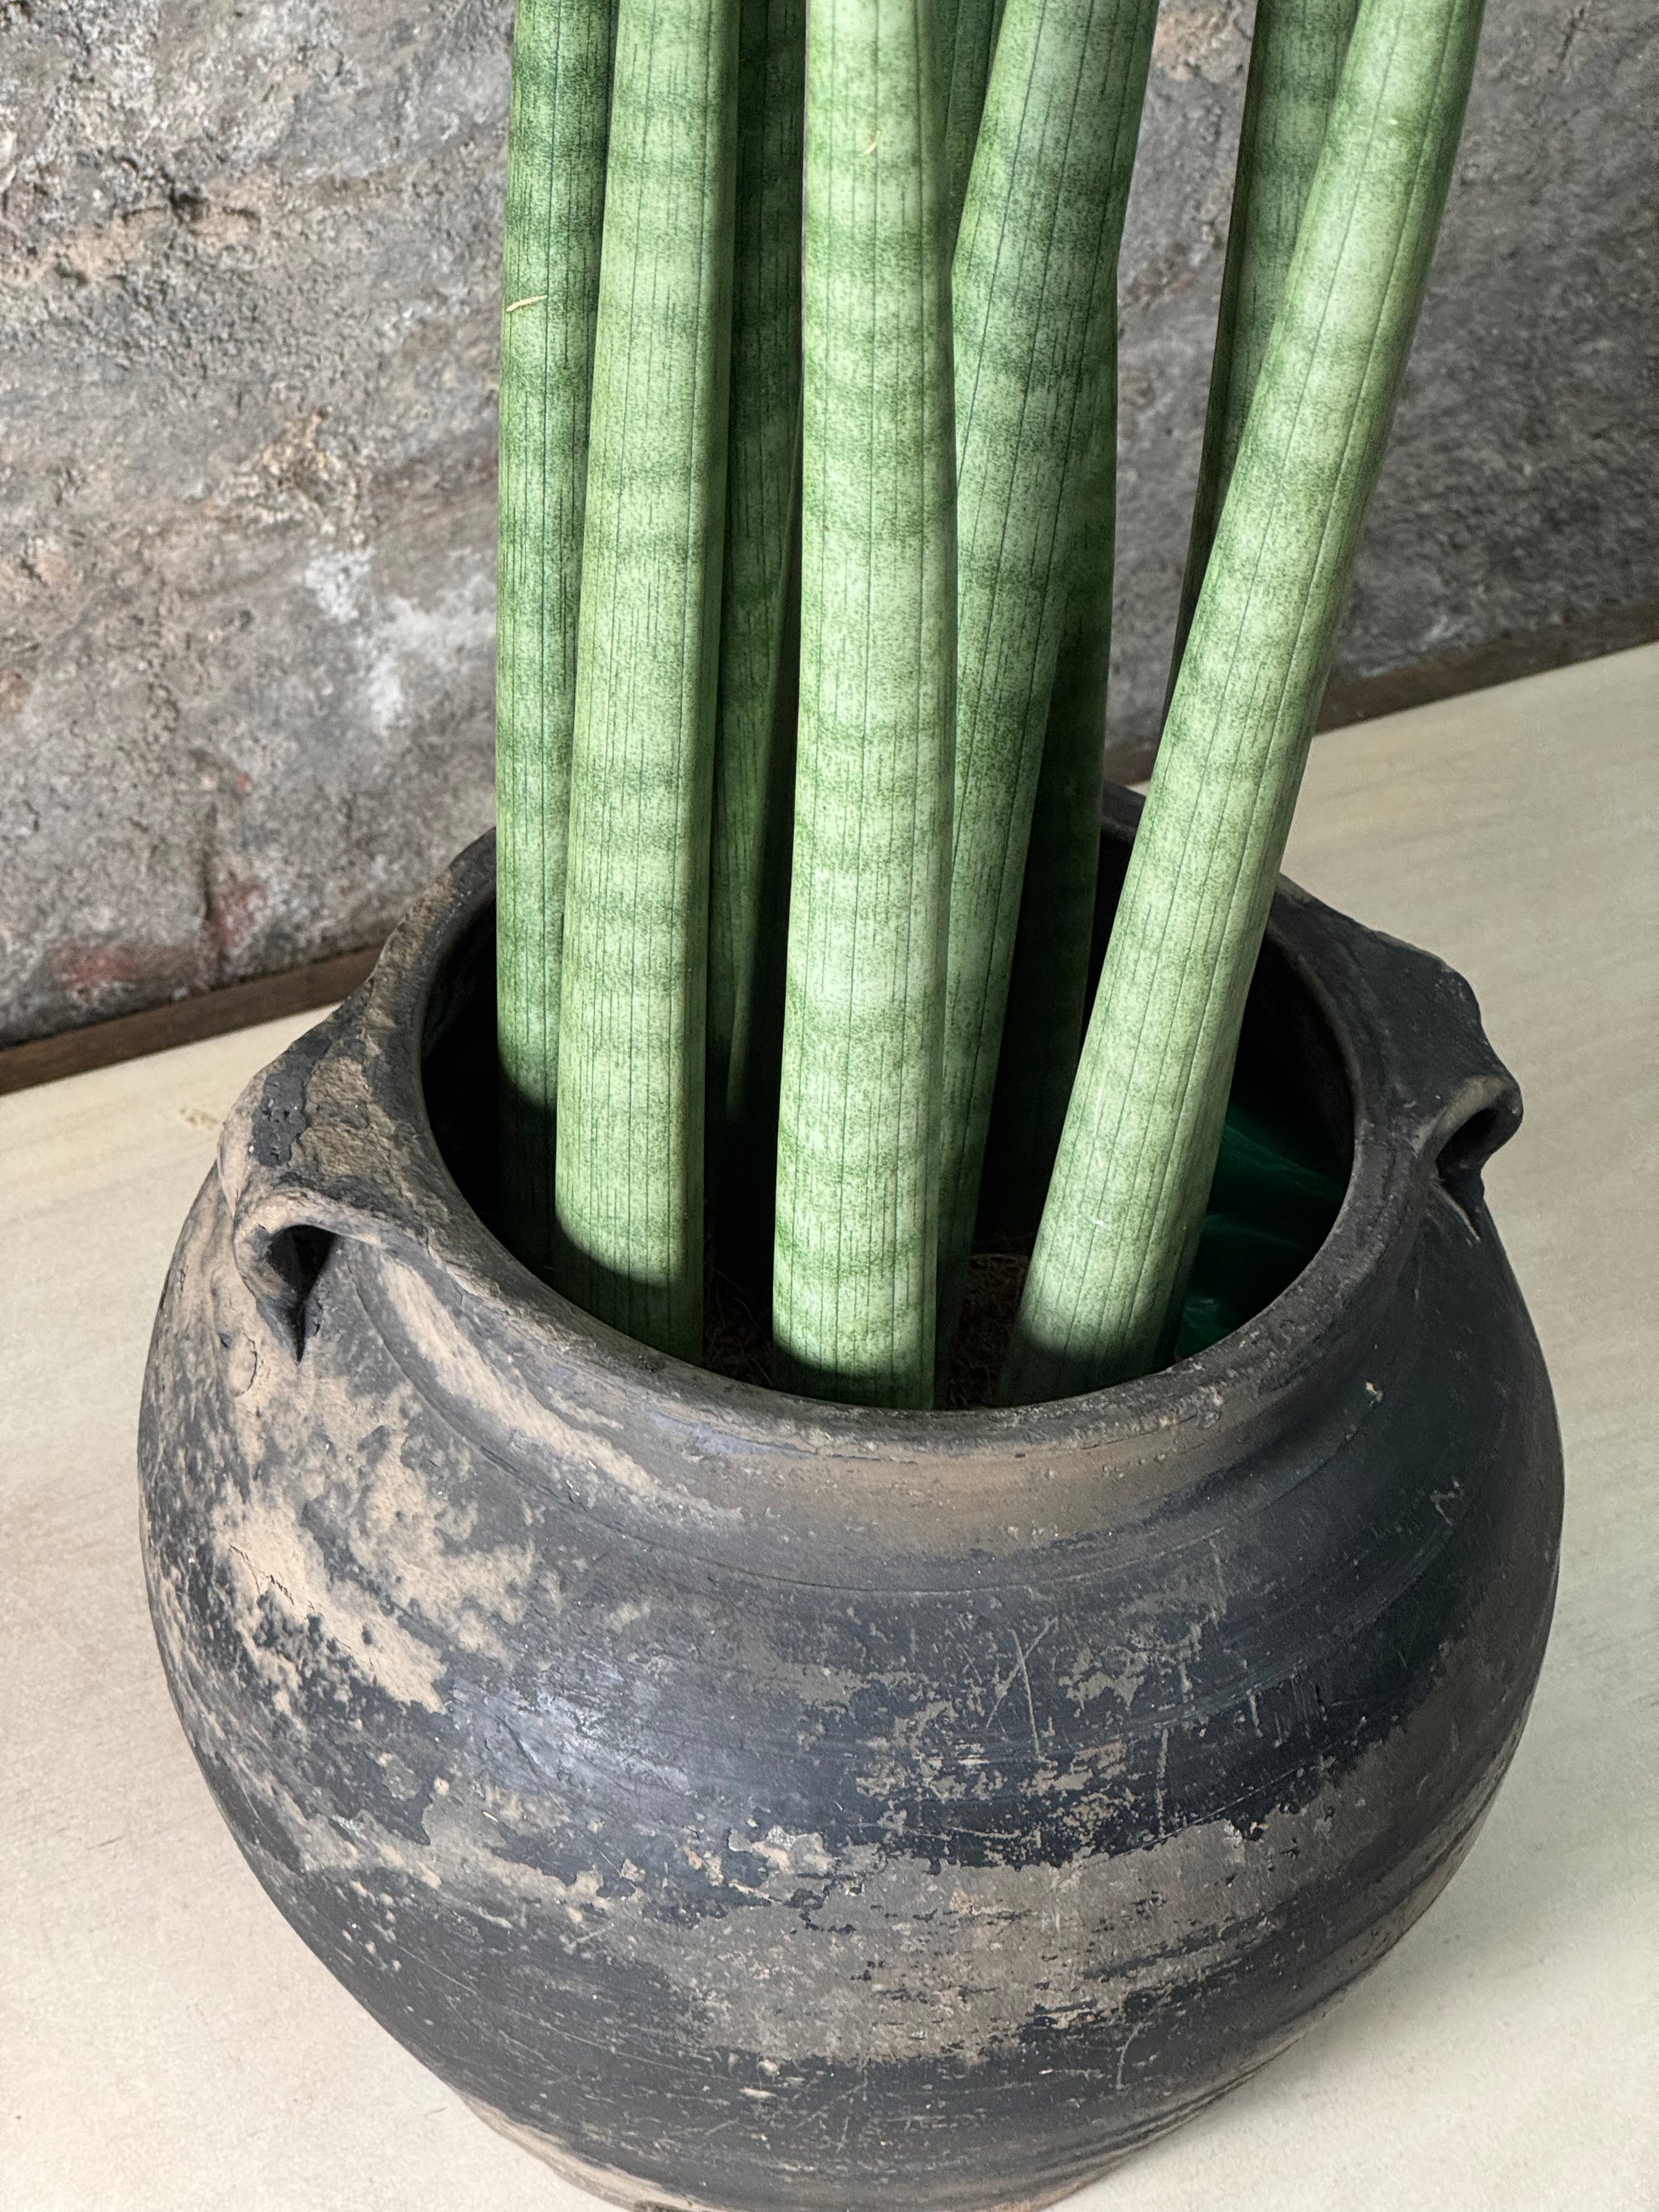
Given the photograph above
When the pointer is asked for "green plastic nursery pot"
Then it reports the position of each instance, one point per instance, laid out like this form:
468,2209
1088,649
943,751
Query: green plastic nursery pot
752,1802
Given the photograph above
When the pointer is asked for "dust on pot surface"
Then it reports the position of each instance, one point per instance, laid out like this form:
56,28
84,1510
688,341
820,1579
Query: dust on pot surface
746,1802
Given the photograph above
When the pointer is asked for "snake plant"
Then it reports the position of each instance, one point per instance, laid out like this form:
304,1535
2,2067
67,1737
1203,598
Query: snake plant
755,719
562,61
1144,1126
808,477
1296,48
628,1178
853,1296
1035,334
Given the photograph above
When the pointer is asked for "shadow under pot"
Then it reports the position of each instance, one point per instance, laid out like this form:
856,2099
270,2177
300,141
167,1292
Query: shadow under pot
752,1803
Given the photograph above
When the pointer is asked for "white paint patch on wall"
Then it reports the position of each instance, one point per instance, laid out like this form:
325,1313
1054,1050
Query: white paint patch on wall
396,638
336,581
407,638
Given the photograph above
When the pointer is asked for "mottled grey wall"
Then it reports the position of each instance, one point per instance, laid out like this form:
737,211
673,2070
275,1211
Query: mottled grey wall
247,323
247,361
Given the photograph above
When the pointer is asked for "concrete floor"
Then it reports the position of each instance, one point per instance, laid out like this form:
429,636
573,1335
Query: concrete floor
167,2045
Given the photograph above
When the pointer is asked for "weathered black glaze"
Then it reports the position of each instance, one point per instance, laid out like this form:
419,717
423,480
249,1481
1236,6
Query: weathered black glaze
754,1803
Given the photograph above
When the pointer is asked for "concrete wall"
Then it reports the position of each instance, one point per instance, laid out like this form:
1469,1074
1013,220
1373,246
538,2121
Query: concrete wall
248,255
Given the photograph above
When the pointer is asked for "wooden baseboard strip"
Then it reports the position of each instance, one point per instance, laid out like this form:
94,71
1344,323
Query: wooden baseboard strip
183,1021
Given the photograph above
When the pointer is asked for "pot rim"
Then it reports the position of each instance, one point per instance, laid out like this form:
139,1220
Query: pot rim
1425,1089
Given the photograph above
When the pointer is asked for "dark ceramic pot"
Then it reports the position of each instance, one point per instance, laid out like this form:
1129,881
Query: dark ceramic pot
753,1804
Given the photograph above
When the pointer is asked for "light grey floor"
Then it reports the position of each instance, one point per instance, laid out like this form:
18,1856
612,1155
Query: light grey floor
166,2045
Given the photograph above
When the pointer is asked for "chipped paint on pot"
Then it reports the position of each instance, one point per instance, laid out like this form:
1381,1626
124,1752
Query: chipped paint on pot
746,1802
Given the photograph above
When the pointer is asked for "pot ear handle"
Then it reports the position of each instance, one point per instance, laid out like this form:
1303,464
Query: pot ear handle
1449,1086
303,1159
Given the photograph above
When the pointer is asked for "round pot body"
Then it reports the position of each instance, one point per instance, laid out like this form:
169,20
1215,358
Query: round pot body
748,1802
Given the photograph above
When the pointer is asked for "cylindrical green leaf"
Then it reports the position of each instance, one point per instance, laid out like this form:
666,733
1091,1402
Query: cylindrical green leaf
554,197
858,1149
631,1061
967,70
1296,60
1035,306
754,722
1139,1149
1048,982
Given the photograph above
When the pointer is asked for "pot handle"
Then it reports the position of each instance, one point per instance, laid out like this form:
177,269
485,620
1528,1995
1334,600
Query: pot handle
1449,1086
305,1157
